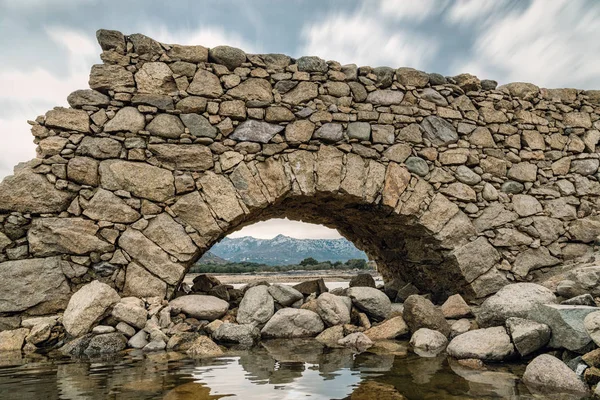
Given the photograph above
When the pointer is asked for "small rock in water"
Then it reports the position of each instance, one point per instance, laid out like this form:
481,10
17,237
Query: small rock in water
546,374
388,329
204,347
358,342
234,333
566,323
428,343
293,323
528,336
372,301
331,335
107,343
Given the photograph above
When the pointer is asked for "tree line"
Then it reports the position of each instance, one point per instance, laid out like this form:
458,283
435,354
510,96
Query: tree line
308,264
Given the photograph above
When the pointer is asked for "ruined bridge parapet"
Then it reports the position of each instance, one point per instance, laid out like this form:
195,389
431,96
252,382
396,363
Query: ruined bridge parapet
452,184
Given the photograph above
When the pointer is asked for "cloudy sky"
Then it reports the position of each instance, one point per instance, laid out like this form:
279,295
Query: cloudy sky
48,46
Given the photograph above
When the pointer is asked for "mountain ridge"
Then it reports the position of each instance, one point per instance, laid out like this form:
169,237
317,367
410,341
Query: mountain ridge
283,250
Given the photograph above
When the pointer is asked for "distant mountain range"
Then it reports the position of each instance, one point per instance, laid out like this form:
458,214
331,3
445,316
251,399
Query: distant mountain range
281,250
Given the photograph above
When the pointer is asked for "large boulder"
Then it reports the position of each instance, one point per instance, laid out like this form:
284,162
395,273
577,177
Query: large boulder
528,336
293,323
130,312
257,306
515,300
13,340
334,310
29,192
370,300
88,306
566,323
547,374
428,343
491,344
284,295
200,306
142,180
57,236
421,313
27,283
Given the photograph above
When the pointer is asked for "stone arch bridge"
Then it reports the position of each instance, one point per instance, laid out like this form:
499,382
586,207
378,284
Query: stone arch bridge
451,184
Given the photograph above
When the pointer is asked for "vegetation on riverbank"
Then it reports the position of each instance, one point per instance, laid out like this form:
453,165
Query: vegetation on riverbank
308,264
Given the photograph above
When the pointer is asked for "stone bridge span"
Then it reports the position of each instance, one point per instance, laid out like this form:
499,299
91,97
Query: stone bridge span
451,184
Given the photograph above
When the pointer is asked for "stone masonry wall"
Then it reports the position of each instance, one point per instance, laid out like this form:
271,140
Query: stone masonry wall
451,184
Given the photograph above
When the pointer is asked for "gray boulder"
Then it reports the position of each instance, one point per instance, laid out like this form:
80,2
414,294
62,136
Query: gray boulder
547,374
428,343
528,336
139,340
201,306
356,341
421,313
334,310
231,57
293,323
257,306
87,306
108,343
285,295
370,300
491,344
515,300
439,131
566,323
234,333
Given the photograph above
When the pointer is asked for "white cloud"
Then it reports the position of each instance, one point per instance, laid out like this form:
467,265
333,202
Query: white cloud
469,11
273,227
414,10
365,40
34,91
210,36
551,43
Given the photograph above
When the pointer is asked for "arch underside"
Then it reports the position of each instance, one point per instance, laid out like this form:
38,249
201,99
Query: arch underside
450,184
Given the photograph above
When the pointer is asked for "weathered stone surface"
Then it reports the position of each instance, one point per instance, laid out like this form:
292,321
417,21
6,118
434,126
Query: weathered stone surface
385,97
198,125
87,306
87,97
333,310
455,307
127,119
151,256
234,333
130,313
356,341
29,192
293,323
194,157
221,195
166,125
193,54
311,64
194,211
52,236
566,323
108,343
360,130
256,131
200,306
141,283
257,306
372,301
155,77
284,295
171,237
106,206
547,374
389,329
528,336
205,84
140,179
100,148
439,131
111,77
303,92
428,343
532,259
255,91
591,324
27,283
421,313
13,340
515,300
330,132
68,119
476,258
231,57
491,344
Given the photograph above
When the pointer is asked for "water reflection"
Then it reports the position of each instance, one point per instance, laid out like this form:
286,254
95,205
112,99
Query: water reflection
277,369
